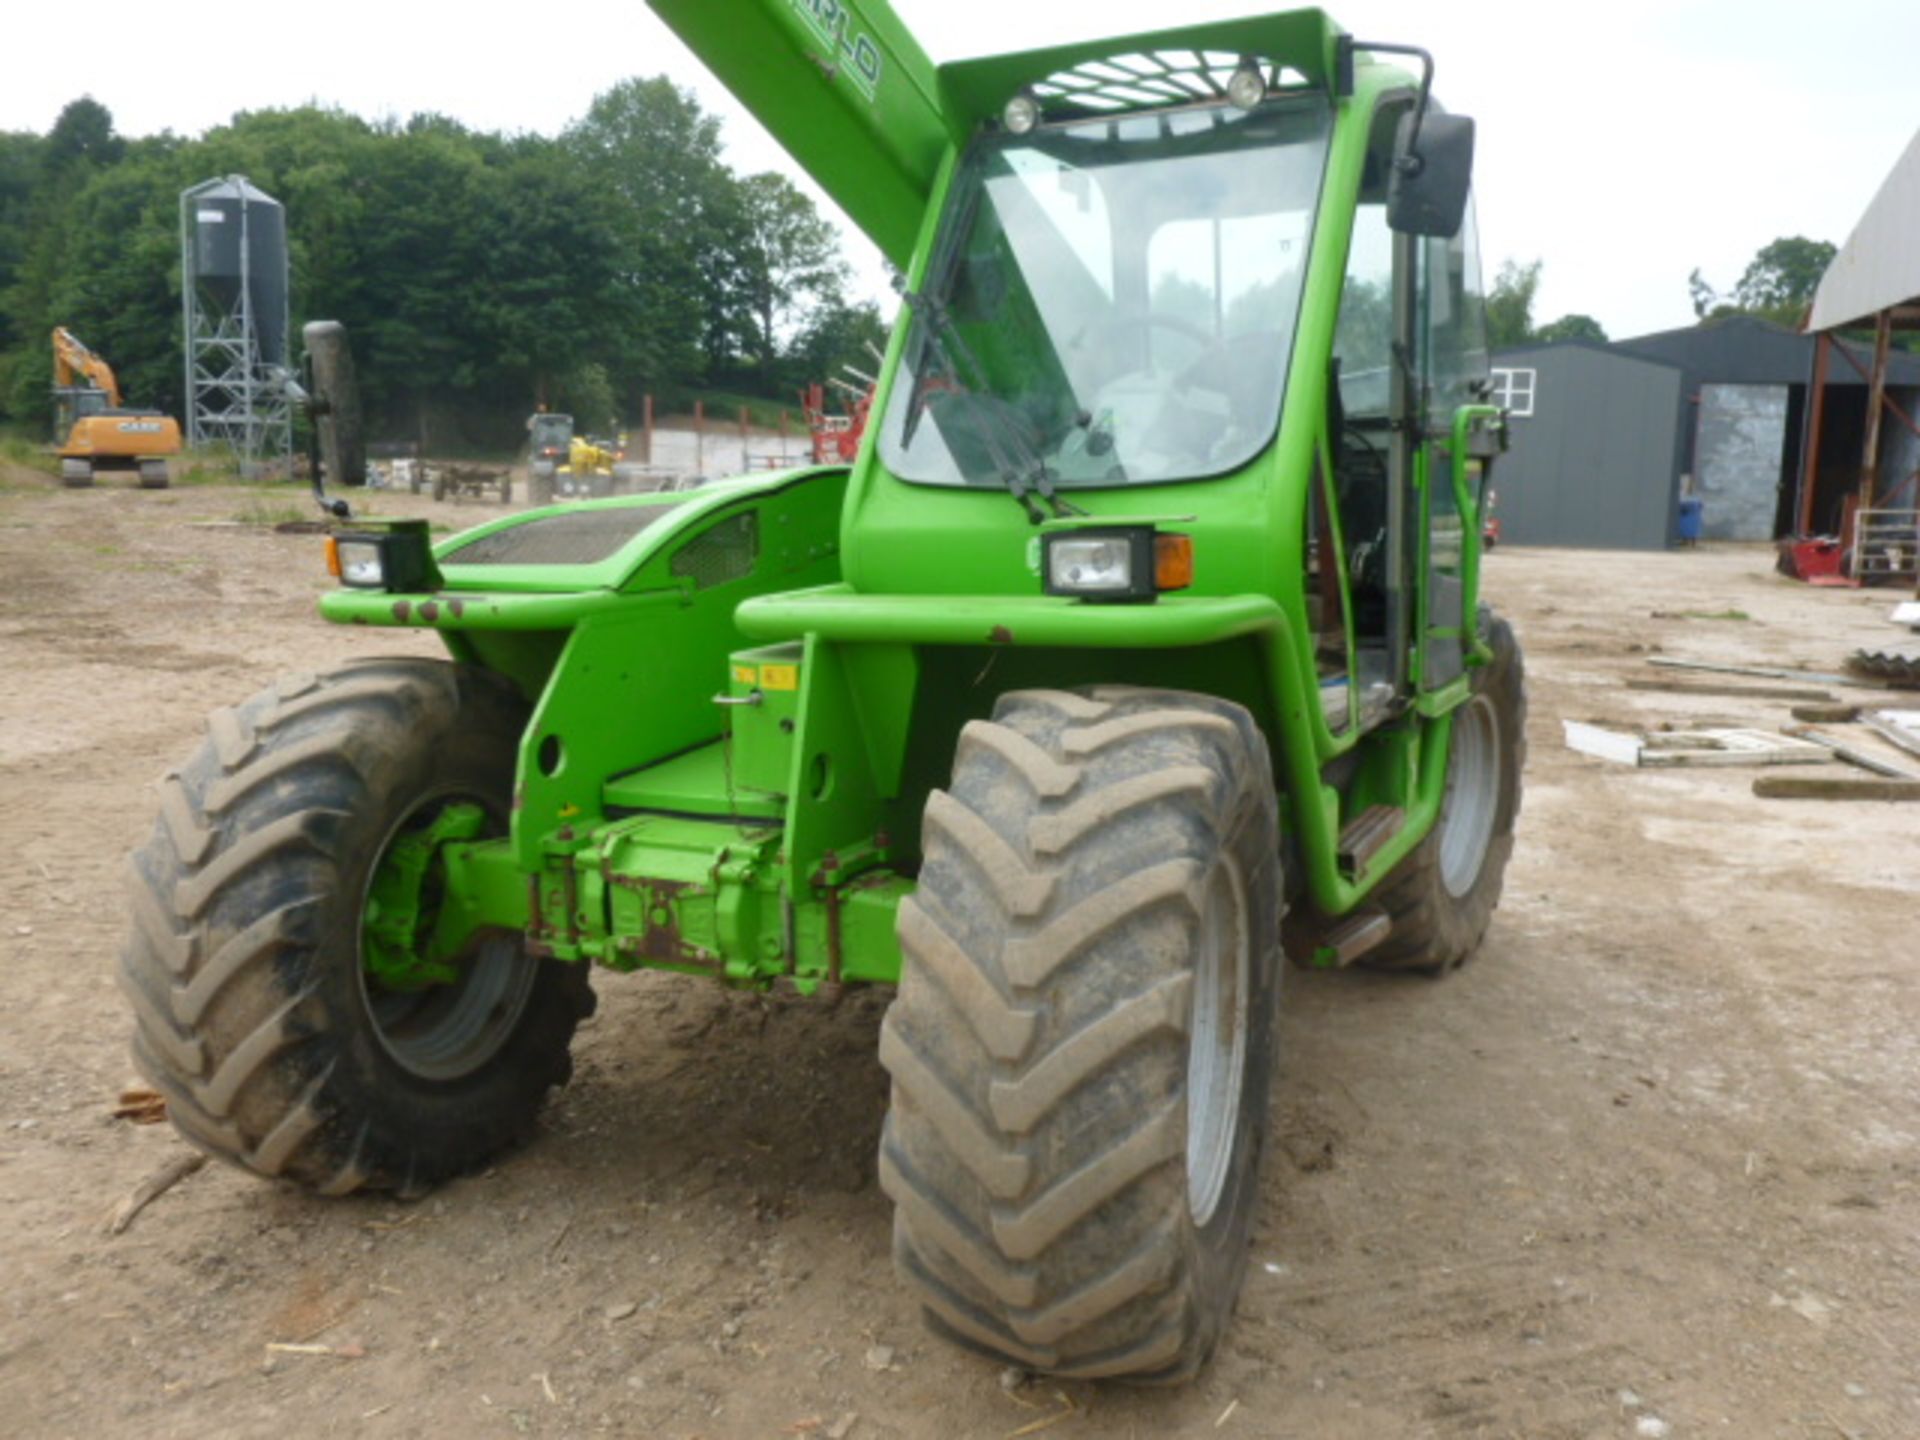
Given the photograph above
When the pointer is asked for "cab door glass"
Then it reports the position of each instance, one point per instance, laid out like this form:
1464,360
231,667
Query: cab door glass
1454,324
1453,367
1363,334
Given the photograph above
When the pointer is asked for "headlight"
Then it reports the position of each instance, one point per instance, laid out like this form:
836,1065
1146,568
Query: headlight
361,565
396,557
1130,562
1079,565
1021,114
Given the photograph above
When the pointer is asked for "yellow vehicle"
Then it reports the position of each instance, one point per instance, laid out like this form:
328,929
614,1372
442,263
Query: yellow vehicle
566,466
95,431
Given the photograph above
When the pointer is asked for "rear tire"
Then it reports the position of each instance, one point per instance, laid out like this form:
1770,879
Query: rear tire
1442,896
1083,1039
254,1015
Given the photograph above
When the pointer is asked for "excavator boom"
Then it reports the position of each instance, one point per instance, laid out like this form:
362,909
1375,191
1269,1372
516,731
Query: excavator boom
72,360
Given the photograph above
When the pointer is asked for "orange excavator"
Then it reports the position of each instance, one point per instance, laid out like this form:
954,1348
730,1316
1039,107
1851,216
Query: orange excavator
95,431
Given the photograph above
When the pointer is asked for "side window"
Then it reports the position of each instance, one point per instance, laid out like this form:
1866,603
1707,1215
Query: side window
1363,335
1453,338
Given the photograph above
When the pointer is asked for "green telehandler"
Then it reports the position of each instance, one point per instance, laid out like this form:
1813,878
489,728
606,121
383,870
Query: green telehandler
1138,651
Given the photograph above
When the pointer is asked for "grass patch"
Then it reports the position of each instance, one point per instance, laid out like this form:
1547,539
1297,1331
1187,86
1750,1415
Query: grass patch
1715,615
209,465
261,511
723,410
17,450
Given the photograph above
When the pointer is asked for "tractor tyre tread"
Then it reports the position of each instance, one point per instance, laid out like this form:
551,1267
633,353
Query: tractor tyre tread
1434,932
1034,1148
241,967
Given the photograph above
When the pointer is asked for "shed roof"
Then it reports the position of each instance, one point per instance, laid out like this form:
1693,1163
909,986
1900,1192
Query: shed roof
1534,349
1746,350
1879,266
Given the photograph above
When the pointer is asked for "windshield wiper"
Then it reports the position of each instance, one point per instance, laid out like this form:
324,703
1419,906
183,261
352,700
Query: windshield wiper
1018,463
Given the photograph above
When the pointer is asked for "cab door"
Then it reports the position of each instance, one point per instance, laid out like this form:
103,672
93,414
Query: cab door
1453,372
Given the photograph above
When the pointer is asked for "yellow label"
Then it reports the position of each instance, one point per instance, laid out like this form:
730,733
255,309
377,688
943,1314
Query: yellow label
779,677
743,674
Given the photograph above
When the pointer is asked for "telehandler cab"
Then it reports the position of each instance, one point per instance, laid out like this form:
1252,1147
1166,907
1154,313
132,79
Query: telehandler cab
1146,615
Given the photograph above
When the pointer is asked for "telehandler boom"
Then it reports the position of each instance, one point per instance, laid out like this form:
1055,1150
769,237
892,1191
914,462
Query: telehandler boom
1138,650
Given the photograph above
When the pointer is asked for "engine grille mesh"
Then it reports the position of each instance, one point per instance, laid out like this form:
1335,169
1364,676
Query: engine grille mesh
574,537
726,551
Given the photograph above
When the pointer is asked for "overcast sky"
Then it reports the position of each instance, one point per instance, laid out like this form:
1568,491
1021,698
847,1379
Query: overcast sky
1621,143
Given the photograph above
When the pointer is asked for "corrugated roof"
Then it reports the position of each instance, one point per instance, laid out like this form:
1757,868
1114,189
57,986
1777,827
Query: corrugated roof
1879,266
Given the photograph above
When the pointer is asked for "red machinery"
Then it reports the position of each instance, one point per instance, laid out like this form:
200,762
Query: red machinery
836,438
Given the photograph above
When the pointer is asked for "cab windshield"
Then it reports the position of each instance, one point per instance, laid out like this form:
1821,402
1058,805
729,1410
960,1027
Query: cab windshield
1111,302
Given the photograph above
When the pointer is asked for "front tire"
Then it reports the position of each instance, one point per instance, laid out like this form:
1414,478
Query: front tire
1442,896
1083,1039
256,1016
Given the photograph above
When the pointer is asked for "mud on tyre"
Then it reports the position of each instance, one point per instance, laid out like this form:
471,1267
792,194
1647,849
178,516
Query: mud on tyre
255,1014
1083,1038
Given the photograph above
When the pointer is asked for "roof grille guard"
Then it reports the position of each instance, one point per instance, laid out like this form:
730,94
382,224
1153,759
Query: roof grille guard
1150,80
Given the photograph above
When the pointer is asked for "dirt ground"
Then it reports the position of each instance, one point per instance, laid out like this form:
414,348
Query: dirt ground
1648,1166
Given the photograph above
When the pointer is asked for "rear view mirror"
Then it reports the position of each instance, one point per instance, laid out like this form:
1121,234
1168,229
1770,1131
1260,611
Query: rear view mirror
1432,173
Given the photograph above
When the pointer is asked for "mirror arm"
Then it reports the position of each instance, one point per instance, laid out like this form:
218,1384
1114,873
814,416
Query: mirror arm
1411,163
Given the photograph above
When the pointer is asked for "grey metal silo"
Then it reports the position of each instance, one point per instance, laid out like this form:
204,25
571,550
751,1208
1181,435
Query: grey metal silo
233,247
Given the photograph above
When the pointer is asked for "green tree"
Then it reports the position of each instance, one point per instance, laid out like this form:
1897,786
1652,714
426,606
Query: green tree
1572,327
653,156
1777,285
786,264
836,337
1510,304
1781,279
1707,304
83,132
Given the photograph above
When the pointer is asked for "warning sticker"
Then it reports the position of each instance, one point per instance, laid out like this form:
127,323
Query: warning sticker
779,677
743,674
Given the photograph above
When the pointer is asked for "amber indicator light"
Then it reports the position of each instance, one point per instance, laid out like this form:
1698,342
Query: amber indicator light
1172,562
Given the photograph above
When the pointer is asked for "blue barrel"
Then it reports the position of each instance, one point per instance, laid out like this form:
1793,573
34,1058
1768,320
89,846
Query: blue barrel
1691,520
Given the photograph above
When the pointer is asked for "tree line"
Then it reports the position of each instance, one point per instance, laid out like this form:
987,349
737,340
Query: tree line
1777,285
477,273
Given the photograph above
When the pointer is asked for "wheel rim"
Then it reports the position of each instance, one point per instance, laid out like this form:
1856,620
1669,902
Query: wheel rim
1217,1056
447,1031
1472,797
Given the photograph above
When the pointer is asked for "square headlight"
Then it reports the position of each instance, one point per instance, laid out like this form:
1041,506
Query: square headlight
361,563
397,556
1115,564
